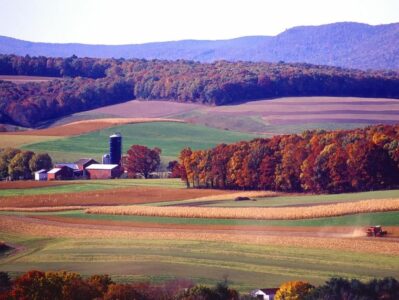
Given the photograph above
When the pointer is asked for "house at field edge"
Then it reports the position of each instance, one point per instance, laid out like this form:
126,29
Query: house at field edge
264,294
103,171
60,173
41,175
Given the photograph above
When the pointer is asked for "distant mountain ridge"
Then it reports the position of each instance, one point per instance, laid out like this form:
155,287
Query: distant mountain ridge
347,44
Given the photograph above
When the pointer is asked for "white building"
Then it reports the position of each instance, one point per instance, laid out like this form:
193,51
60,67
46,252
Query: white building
264,294
41,175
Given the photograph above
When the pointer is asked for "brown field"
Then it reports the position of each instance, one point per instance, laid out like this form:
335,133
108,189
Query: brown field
335,231
29,184
127,196
259,213
146,109
48,228
24,79
81,127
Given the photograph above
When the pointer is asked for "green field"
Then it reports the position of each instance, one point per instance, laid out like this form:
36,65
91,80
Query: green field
170,137
306,199
77,186
365,219
246,266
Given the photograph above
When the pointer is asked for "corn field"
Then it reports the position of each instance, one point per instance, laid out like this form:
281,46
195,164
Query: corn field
269,213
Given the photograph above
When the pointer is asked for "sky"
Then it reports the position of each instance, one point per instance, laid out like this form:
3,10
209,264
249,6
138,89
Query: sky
140,21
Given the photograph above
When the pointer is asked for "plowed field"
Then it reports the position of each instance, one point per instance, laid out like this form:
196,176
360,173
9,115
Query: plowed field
131,195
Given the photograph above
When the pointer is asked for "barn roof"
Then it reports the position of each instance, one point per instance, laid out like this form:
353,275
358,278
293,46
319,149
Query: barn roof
83,161
101,167
41,171
69,165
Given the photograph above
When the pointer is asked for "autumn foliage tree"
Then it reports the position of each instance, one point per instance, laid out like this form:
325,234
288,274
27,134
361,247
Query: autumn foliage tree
142,160
293,290
314,161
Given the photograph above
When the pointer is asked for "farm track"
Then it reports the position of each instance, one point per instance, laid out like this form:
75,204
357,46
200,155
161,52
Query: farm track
50,228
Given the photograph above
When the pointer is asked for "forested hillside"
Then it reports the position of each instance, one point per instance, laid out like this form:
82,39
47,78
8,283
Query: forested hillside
315,161
348,45
86,83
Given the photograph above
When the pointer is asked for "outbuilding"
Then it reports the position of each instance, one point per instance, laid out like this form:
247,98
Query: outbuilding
41,175
103,171
264,294
60,173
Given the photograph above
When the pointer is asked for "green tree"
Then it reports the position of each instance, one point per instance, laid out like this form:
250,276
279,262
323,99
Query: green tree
5,157
19,165
40,161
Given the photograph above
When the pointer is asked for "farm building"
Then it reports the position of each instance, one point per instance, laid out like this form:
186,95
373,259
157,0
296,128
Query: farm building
60,173
83,163
264,294
103,171
41,175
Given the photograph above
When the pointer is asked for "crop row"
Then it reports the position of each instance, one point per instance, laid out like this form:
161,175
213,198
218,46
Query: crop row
269,213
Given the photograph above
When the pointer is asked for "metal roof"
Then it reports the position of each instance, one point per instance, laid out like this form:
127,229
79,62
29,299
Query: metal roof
83,161
69,165
41,171
101,167
53,171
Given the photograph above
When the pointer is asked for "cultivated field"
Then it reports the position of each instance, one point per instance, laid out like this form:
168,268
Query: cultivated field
252,253
24,79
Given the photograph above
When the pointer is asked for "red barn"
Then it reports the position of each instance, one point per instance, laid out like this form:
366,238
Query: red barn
61,173
83,163
103,171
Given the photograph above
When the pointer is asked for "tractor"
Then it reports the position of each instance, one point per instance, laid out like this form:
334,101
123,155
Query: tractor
376,231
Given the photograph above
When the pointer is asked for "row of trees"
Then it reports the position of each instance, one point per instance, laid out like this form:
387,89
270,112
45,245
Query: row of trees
19,164
96,82
315,161
35,285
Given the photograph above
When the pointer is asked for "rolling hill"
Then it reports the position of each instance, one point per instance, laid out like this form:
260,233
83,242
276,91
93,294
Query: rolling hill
346,44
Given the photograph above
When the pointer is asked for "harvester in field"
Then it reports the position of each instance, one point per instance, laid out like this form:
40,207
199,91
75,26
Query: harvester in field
376,231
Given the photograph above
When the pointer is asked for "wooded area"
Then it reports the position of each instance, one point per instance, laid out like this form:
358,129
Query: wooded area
314,161
86,83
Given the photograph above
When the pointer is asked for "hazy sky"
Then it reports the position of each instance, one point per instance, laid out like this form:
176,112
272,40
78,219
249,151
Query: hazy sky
138,21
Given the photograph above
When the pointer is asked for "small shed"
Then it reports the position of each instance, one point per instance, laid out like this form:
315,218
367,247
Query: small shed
103,171
264,294
60,173
41,175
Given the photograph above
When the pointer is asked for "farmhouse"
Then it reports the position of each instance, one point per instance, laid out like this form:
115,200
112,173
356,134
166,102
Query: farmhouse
60,173
103,171
264,294
41,175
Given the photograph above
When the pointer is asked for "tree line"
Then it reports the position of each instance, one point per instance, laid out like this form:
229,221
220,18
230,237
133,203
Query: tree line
89,83
35,284
19,164
314,161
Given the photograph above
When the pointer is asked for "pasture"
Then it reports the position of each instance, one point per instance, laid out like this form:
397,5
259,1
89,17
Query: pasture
171,137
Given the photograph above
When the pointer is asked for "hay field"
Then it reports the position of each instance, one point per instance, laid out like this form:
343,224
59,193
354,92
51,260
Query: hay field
277,213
